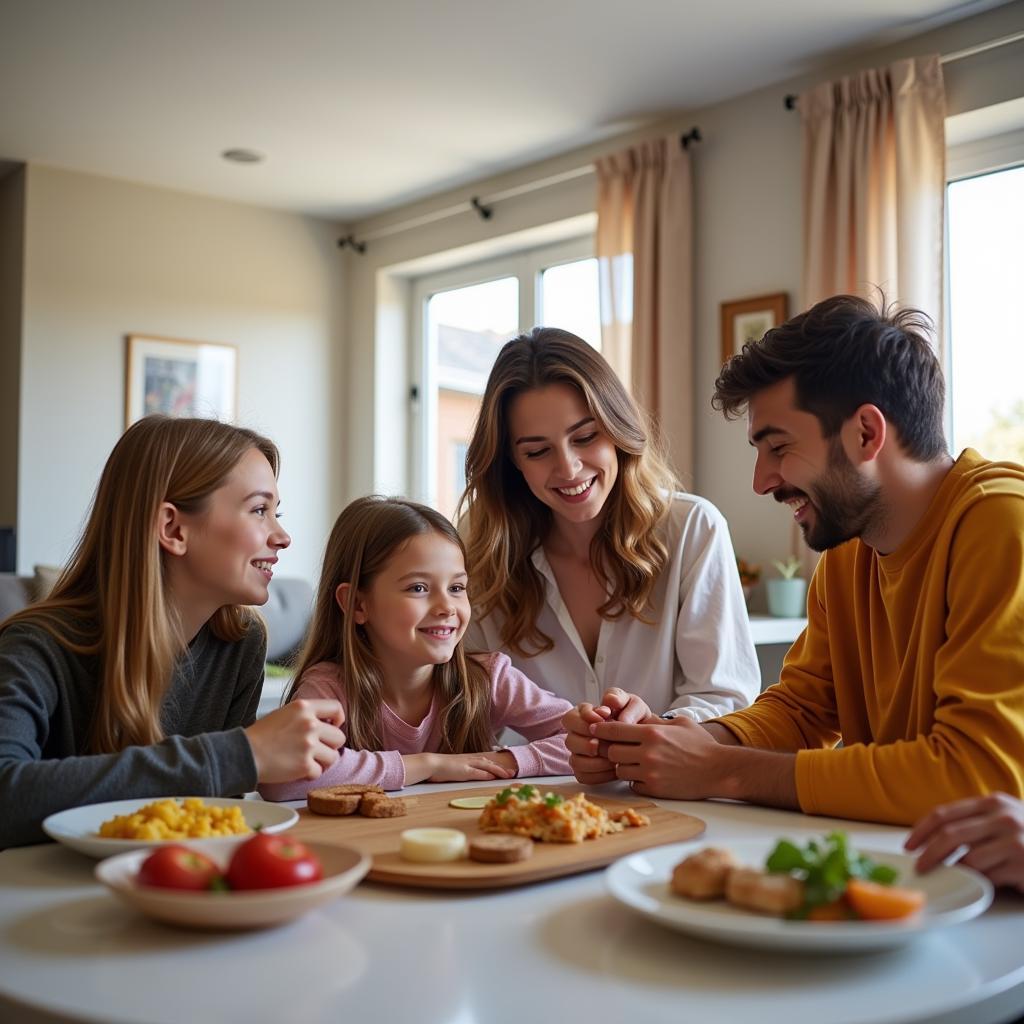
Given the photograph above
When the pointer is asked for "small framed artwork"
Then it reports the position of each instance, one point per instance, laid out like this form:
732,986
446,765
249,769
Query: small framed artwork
180,378
747,319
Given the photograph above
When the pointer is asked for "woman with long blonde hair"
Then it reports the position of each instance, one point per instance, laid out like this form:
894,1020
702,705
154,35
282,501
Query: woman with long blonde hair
386,640
588,565
140,674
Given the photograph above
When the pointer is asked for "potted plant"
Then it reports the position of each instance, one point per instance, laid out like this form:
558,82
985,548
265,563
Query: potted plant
787,596
750,574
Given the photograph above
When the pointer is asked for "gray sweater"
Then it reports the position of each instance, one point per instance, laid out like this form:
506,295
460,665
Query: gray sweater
47,697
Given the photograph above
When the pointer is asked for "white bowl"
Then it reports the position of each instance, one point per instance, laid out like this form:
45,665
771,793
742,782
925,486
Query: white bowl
79,827
343,869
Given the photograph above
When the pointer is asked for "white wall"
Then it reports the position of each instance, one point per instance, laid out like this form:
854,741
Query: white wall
104,259
747,242
12,217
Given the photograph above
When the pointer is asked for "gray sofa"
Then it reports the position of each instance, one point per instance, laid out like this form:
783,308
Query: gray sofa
15,593
286,613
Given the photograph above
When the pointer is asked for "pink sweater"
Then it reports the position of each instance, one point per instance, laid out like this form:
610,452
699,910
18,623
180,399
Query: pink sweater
516,703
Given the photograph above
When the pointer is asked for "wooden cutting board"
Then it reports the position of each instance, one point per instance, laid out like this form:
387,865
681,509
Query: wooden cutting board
379,837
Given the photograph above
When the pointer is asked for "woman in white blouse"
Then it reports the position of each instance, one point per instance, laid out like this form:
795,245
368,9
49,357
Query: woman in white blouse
587,565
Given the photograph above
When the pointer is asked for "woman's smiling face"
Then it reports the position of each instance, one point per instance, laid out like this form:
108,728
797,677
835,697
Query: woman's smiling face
567,460
234,542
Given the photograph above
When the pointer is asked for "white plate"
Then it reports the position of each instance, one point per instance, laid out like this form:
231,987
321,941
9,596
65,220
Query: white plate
79,827
641,881
343,869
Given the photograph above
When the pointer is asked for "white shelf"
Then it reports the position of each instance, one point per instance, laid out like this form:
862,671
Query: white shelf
273,691
766,629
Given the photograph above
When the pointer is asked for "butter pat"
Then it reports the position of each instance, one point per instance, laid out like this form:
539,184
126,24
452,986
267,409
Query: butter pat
432,845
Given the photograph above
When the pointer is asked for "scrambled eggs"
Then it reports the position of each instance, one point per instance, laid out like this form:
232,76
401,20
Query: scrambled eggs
169,819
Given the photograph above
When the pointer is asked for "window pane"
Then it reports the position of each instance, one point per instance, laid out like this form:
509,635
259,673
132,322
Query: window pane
466,328
569,299
986,271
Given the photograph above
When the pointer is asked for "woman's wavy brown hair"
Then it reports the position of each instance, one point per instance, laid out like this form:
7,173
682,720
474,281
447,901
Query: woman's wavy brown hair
365,536
502,520
111,599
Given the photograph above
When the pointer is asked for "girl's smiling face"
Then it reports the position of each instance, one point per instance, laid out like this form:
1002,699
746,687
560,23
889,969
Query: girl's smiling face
417,607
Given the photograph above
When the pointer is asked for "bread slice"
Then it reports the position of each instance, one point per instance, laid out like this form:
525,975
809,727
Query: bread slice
377,805
336,801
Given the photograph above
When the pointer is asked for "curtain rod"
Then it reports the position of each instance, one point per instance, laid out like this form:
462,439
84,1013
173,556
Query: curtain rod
484,205
946,58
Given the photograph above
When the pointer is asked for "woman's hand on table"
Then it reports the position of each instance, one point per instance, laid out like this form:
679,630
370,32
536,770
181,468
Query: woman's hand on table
299,741
587,765
619,706
991,827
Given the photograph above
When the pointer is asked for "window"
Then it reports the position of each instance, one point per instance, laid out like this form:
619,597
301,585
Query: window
569,299
459,450
986,336
461,319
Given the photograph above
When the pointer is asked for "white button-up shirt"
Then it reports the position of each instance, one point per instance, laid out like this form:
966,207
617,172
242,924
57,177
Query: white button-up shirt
695,656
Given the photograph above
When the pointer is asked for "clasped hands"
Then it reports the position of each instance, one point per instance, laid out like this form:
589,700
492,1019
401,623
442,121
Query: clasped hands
620,739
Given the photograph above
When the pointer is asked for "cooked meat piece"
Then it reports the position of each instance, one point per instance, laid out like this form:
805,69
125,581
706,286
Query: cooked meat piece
767,893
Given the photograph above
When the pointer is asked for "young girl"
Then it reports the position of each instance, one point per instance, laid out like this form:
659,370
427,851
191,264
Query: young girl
589,566
386,641
140,675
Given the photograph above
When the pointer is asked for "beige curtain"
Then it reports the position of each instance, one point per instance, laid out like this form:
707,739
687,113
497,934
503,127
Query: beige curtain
874,176
874,171
645,258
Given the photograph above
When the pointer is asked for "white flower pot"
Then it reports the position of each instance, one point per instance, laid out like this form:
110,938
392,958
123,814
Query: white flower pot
787,599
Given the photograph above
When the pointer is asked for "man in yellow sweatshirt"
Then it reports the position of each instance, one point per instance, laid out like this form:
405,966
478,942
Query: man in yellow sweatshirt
913,654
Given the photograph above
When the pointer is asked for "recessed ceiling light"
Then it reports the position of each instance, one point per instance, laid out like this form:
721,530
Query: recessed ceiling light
242,156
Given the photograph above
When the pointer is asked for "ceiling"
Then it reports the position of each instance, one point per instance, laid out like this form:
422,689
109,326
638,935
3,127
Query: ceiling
359,106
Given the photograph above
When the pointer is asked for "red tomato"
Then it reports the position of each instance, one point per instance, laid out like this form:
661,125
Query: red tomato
178,867
272,861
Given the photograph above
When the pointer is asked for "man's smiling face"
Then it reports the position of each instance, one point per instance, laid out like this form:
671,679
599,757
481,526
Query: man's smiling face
831,500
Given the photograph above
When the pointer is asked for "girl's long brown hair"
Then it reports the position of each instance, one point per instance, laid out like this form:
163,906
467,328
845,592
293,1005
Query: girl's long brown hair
504,522
110,600
367,533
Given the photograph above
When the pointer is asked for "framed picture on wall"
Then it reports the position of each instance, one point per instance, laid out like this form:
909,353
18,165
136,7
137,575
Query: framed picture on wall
748,319
180,378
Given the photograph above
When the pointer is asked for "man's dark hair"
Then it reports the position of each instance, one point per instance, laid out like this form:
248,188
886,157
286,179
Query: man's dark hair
842,353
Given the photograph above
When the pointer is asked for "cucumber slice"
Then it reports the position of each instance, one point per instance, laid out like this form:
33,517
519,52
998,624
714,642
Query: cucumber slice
470,803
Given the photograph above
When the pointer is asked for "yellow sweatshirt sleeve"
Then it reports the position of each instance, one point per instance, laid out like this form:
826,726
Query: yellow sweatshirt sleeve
800,710
976,744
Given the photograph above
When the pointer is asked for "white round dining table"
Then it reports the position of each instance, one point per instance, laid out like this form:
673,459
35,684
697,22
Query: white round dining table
555,951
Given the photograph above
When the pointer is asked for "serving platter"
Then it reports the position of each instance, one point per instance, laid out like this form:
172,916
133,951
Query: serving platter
379,838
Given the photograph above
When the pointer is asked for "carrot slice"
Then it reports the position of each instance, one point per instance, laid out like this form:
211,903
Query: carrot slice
874,902
837,910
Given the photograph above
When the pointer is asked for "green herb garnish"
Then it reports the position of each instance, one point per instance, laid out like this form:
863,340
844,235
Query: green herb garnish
825,868
525,792
502,797
553,800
